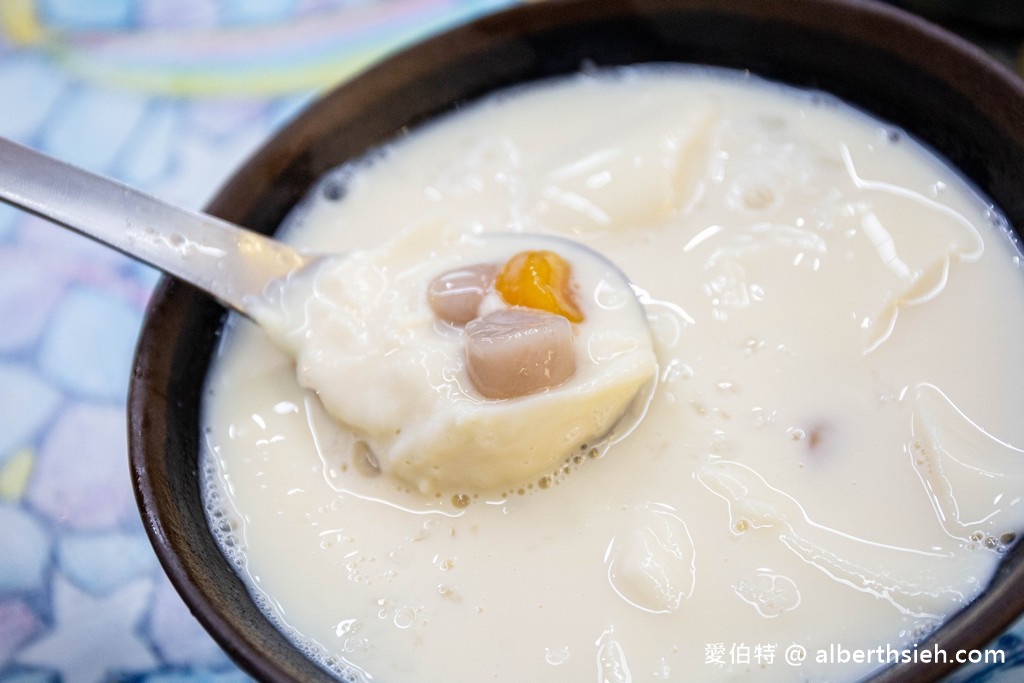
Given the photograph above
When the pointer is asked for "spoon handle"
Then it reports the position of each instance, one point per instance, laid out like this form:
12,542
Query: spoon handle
229,262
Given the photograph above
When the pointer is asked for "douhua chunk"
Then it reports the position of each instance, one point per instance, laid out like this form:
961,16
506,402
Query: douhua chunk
519,351
378,335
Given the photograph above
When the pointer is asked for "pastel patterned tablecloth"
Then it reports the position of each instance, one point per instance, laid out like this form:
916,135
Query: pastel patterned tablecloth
170,96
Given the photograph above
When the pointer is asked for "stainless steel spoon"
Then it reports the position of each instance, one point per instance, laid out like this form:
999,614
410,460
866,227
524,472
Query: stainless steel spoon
233,264
229,262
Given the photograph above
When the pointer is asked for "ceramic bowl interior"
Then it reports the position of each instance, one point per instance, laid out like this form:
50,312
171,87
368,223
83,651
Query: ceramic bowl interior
940,89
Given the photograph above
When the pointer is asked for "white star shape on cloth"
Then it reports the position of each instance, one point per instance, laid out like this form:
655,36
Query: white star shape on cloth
93,637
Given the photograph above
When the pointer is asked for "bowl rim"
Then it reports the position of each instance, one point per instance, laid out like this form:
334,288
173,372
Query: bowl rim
913,39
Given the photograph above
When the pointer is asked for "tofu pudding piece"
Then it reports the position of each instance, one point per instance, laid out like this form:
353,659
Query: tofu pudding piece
827,456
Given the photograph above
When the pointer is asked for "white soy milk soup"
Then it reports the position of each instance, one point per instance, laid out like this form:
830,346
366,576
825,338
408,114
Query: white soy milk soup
829,456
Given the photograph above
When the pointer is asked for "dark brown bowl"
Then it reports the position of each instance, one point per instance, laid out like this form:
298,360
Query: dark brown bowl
939,88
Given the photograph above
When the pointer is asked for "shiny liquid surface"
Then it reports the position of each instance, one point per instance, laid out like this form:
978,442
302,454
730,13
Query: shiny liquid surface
830,455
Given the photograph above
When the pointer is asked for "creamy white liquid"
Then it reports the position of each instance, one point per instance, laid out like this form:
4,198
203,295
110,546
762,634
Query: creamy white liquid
830,455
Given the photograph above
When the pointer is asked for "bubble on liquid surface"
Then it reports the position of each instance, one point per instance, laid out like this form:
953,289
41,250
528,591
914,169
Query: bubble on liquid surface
556,655
405,616
770,594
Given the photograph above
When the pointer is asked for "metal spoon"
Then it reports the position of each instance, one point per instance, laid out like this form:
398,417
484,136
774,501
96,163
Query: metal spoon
229,262
233,264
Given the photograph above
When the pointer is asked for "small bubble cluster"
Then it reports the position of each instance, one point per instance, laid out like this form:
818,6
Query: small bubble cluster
226,530
223,525
770,594
999,544
546,481
920,630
